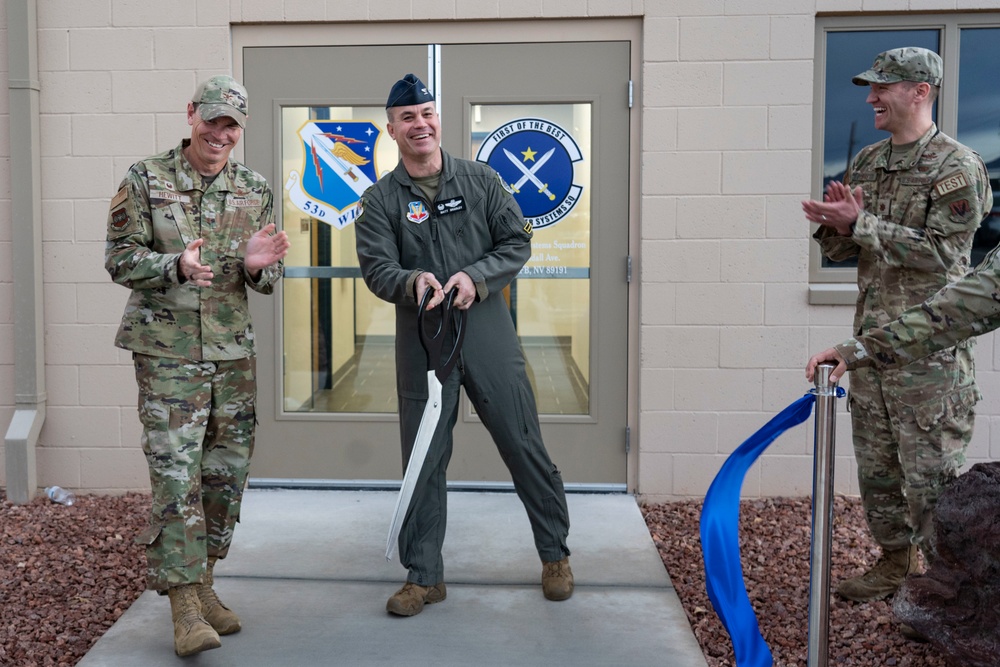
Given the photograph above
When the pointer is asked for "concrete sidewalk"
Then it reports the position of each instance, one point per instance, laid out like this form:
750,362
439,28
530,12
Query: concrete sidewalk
308,576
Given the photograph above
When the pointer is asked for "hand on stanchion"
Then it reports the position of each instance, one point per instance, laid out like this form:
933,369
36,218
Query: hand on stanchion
833,358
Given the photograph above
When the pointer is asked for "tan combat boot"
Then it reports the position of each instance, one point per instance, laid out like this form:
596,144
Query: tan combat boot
884,578
222,619
192,633
557,580
411,598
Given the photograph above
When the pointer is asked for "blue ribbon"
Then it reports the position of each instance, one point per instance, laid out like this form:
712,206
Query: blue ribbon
720,538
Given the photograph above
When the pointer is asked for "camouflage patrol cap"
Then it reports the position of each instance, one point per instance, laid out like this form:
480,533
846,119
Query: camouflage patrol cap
909,63
222,95
408,91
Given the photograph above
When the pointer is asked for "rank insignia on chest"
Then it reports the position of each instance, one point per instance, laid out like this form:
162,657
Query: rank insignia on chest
416,212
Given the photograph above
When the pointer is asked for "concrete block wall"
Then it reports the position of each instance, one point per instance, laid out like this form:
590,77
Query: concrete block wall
726,124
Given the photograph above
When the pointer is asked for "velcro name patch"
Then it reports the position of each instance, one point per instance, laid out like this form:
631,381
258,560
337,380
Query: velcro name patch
170,196
951,183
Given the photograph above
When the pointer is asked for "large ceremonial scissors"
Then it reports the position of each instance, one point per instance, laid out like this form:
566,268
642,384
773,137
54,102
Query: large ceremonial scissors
438,369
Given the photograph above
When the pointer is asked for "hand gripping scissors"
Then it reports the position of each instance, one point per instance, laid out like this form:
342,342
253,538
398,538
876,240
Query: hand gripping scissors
438,370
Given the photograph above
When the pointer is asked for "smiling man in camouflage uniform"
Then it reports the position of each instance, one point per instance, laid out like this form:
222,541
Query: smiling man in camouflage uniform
908,209
188,231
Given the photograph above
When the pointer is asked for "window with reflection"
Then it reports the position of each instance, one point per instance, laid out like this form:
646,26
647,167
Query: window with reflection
968,109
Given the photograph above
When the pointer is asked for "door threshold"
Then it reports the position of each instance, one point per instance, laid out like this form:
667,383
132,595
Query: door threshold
393,485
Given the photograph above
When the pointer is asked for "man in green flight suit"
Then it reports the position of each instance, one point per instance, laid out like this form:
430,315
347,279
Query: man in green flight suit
409,241
189,230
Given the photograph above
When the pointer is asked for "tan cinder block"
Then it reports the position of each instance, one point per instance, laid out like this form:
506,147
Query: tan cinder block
736,427
656,387
765,172
338,10
80,426
769,7
657,303
115,134
786,303
104,49
763,347
719,303
660,129
172,127
102,303
434,9
117,385
659,218
721,217
59,306
885,5
723,38
682,84
661,40
261,10
822,337
154,14
789,127
768,261
72,177
62,384
783,386
7,353
57,465
306,10
714,128
57,220
768,83
786,475
717,390
784,217
75,14
510,9
838,5
53,50
56,137
6,273
90,217
686,173
979,447
679,347
680,261
685,7
213,12
680,432
189,48
75,92
72,344
656,476
694,475
389,10
792,37
73,262
609,8
139,92
113,469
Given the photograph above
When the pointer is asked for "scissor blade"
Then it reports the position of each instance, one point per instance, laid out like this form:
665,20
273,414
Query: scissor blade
428,424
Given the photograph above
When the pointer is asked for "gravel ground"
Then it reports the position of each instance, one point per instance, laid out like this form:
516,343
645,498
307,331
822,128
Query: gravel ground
67,573
774,546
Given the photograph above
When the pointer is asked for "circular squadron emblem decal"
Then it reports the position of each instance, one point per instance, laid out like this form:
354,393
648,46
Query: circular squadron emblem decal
535,157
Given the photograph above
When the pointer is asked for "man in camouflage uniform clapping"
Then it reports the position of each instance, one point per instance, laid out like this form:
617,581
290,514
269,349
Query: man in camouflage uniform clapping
188,231
908,209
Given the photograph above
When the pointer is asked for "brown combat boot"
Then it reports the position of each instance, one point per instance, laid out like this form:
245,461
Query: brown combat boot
222,619
192,633
557,580
884,578
411,598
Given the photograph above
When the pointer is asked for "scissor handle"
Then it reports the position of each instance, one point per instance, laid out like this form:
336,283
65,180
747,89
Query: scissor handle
433,344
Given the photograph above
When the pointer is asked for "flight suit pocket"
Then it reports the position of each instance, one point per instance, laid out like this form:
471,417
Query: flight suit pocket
149,536
935,412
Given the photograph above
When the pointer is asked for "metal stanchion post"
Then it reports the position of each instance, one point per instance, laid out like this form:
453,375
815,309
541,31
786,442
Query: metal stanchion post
822,516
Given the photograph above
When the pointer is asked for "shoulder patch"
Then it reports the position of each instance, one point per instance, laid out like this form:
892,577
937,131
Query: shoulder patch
120,197
951,183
